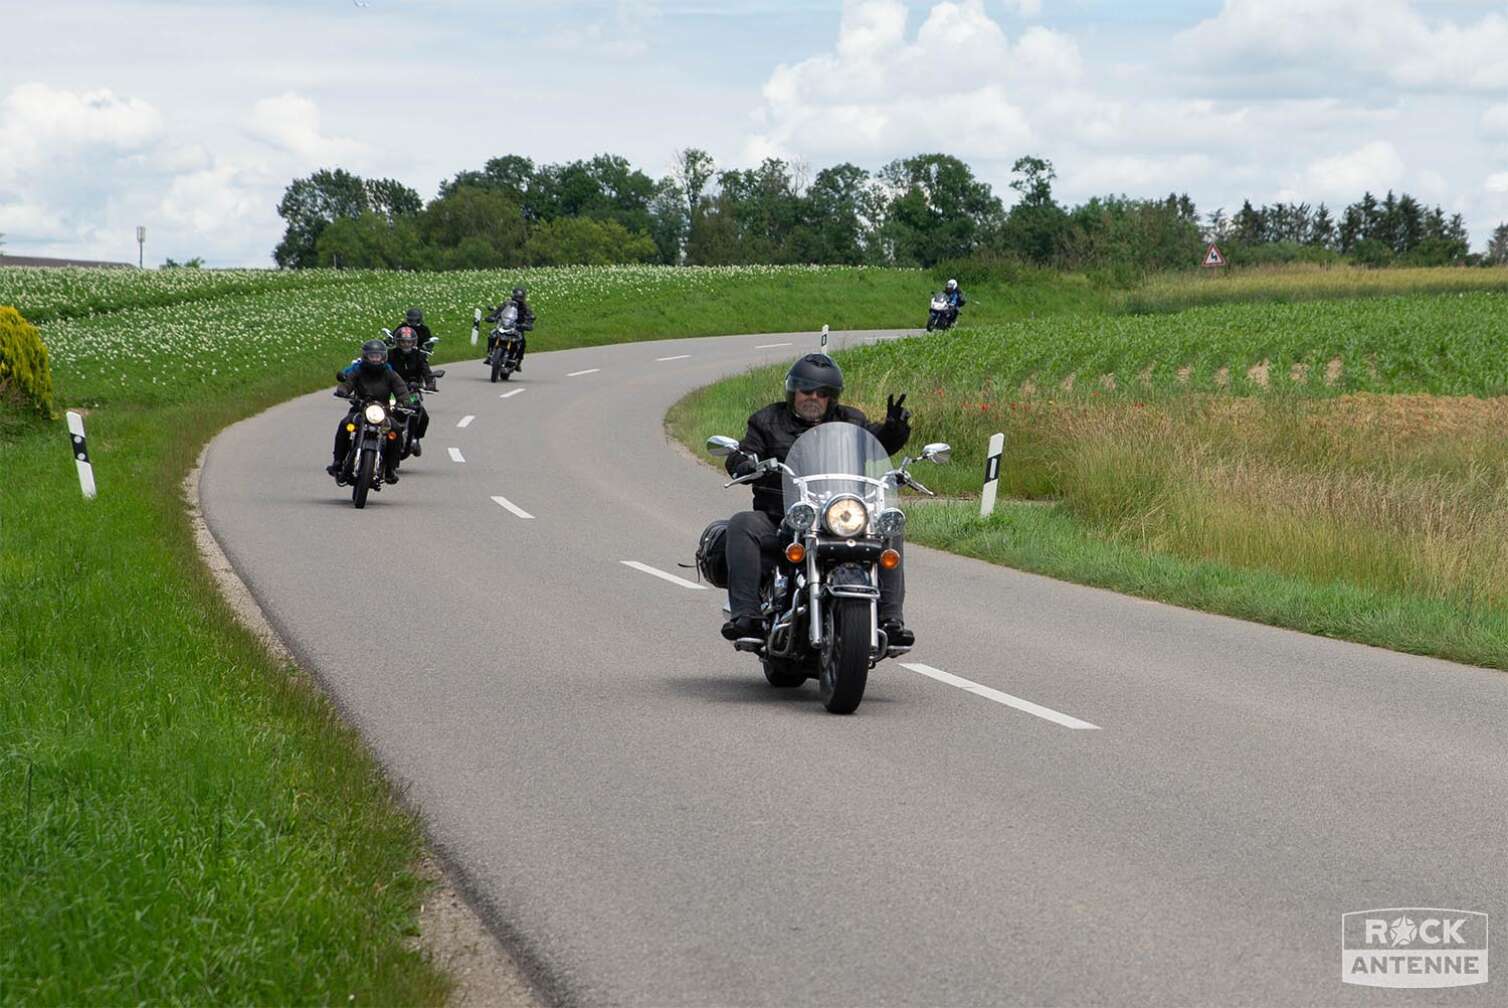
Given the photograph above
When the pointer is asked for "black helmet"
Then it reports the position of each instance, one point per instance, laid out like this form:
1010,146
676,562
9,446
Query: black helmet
812,372
413,317
373,355
518,293
406,338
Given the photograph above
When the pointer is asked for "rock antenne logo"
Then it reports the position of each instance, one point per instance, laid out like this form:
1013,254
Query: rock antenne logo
1413,947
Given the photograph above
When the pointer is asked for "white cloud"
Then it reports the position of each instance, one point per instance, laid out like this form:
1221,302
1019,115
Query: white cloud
290,123
1372,167
1495,122
39,124
1497,183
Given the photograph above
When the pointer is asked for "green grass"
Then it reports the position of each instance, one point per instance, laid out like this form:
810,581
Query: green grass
1177,291
1371,470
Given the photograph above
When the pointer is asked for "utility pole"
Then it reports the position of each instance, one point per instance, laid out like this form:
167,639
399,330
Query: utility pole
141,245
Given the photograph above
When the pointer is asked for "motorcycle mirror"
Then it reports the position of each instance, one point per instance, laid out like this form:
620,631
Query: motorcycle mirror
721,446
388,333
937,452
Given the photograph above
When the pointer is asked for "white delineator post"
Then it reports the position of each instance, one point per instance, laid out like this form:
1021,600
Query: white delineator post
81,454
476,324
991,475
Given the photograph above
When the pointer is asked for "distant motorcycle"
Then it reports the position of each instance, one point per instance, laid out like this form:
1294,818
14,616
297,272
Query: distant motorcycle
941,314
505,345
371,424
820,602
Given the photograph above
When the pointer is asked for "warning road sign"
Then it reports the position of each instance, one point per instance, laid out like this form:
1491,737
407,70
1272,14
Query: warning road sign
1212,257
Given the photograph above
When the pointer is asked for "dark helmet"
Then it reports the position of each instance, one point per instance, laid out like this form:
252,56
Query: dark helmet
518,294
813,372
413,317
373,355
406,338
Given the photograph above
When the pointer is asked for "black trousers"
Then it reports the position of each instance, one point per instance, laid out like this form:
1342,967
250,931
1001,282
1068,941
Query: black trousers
754,545
343,444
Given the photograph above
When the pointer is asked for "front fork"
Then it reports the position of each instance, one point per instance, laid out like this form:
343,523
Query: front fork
814,587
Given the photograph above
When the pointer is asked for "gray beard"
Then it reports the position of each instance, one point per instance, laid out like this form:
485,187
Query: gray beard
810,412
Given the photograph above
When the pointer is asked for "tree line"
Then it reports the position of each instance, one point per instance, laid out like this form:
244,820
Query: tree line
924,211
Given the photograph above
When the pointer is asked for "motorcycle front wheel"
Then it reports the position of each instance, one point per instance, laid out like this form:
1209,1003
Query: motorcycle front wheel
845,664
364,470
497,367
782,673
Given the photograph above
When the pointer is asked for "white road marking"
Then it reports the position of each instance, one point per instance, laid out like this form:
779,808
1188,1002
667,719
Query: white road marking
1046,713
590,370
636,565
770,346
510,506
465,421
455,455
676,357
513,393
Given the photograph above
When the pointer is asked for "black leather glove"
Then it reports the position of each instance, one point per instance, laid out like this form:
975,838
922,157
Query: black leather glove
896,413
744,466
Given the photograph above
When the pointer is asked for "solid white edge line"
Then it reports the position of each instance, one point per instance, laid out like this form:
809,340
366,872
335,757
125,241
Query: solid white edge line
513,393
455,455
676,357
465,421
508,505
770,346
590,370
968,686
653,572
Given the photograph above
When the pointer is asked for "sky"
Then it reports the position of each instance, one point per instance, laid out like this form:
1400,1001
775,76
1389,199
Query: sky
190,117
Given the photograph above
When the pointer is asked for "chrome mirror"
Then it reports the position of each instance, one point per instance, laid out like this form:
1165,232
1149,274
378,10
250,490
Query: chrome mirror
937,452
721,446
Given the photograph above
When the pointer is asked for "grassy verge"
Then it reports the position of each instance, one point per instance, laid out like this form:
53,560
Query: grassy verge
1339,467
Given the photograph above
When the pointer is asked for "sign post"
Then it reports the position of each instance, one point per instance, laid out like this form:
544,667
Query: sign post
81,454
1212,257
476,323
991,475
141,245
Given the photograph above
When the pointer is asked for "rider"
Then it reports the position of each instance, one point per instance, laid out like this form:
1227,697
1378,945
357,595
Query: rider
414,319
525,323
368,379
812,388
953,294
413,367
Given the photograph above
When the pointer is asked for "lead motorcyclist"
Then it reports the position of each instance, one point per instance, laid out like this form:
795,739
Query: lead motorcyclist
953,294
525,323
368,379
812,389
413,367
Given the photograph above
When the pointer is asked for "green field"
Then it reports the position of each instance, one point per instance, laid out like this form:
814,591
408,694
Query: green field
188,821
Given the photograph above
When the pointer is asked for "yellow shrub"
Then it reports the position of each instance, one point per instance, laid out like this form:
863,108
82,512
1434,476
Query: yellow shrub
25,379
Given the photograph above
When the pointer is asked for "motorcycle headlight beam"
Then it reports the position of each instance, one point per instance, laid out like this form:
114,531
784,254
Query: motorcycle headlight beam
846,516
375,414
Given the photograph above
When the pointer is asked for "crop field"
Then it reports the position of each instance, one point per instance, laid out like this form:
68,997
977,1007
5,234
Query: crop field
1355,442
1176,291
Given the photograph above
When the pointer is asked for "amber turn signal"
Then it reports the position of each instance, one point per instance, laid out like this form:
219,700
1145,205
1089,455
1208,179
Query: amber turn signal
351,427
890,559
795,552
392,435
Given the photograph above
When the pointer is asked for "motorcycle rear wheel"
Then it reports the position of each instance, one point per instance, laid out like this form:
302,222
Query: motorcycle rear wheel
845,665
364,470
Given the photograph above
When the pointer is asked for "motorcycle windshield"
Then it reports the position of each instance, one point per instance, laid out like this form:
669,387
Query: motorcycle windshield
508,318
837,458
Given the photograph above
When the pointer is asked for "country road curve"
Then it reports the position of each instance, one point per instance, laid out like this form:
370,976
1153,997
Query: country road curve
1134,804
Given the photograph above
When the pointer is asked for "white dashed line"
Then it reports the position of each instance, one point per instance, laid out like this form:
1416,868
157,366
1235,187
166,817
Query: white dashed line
676,357
590,370
1046,713
465,421
652,572
455,455
513,393
770,346
508,505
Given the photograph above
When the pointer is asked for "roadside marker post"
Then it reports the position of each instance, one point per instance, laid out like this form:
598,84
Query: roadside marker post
991,475
81,454
476,324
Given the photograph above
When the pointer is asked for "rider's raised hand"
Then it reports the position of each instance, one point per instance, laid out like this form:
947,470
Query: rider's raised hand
895,411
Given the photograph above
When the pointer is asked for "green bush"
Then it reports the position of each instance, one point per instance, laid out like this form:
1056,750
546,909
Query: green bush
25,378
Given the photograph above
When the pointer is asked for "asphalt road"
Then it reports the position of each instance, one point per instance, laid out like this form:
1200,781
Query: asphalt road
1182,818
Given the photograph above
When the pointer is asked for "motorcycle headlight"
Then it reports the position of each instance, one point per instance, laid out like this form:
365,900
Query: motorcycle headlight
845,516
891,522
375,414
801,516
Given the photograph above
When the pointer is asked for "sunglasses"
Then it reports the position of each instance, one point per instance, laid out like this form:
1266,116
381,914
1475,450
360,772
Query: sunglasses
820,393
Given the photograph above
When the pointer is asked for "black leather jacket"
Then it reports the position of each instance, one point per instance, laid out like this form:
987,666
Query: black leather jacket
365,385
411,365
775,428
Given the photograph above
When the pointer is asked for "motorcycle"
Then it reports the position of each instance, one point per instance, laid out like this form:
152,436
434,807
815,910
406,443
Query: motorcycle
941,315
371,424
505,344
410,444
820,602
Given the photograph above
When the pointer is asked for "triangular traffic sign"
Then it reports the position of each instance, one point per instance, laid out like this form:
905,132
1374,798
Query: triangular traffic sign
1212,256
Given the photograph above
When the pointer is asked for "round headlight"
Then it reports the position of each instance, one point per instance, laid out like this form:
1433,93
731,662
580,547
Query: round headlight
801,516
846,516
375,413
891,522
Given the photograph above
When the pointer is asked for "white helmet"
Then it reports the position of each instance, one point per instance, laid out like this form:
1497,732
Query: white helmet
952,285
